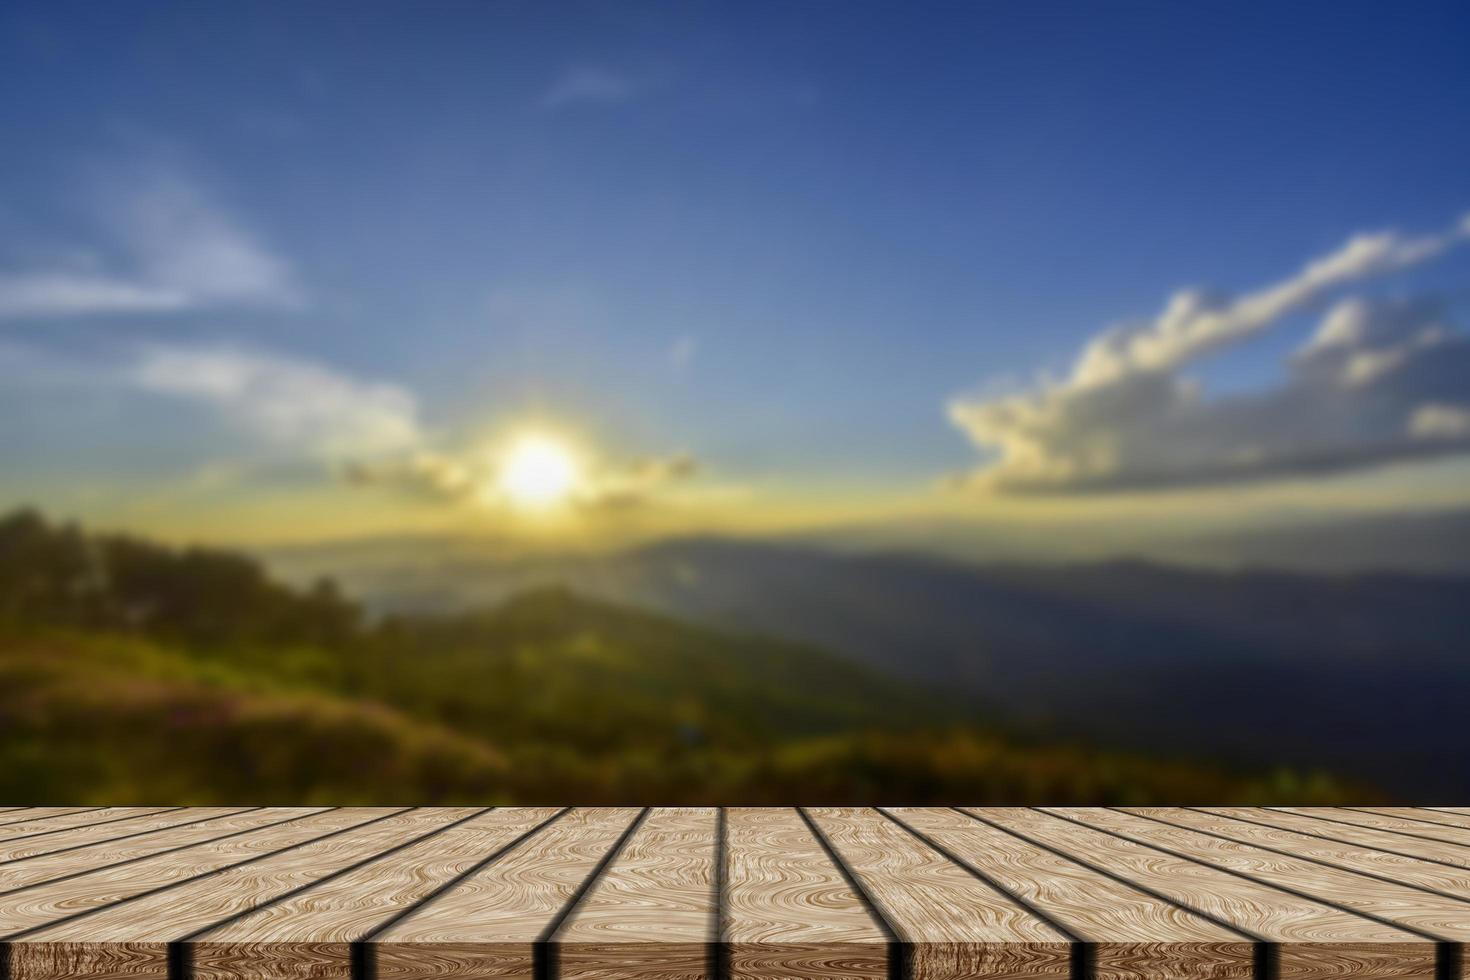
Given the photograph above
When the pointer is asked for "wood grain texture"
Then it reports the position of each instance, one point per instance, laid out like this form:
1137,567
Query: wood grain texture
1419,814
1427,848
1134,935
651,913
1406,829
1314,940
1445,881
46,903
87,819
23,814
788,909
309,933
1429,915
32,871
487,925
958,925
75,837
547,893
52,819
131,937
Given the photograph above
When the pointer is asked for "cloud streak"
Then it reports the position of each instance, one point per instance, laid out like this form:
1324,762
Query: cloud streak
1377,383
289,403
366,433
166,246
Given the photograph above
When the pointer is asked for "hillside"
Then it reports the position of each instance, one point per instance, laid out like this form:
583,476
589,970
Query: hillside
1359,674
130,672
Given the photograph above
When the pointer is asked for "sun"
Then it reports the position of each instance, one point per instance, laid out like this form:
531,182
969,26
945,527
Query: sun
538,473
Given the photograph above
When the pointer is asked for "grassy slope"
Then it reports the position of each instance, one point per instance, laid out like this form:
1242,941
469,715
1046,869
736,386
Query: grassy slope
550,698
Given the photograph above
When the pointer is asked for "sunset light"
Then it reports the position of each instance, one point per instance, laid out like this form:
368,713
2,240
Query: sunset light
538,473
733,405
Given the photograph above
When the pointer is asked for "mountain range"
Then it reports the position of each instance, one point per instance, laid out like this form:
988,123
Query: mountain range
133,672
1362,674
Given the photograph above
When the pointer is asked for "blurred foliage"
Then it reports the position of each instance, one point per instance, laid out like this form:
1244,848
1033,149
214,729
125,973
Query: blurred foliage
131,672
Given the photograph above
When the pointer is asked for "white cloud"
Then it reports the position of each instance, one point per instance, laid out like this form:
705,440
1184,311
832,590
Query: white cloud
1127,417
43,294
584,85
166,247
292,404
368,433
1440,422
1194,322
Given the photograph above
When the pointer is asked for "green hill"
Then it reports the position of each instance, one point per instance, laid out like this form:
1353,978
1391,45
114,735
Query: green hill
132,673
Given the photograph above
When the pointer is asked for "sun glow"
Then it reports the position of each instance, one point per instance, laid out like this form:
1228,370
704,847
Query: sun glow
538,473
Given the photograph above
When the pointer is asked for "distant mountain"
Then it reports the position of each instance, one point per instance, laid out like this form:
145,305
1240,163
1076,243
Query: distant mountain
1437,541
131,672
1430,542
1361,674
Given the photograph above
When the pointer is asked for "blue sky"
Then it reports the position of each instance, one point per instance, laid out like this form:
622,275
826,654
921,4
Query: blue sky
804,246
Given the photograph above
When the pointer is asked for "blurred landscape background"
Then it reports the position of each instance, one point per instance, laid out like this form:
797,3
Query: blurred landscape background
663,403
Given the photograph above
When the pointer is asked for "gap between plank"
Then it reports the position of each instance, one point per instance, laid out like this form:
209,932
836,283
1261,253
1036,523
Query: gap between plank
1330,840
173,884
1326,864
1401,816
719,949
364,962
145,857
99,823
69,813
1264,955
1363,826
900,950
180,953
140,833
1447,952
1082,959
1412,930
544,954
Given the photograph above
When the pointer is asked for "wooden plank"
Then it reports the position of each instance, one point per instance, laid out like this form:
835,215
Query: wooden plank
1408,829
1418,814
26,813
49,902
1314,940
130,938
1203,893
958,925
1455,855
1130,933
652,913
487,925
311,933
21,832
1442,880
44,819
1426,914
75,837
32,871
788,909
107,816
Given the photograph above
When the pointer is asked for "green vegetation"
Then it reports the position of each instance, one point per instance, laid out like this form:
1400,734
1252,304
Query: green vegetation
131,672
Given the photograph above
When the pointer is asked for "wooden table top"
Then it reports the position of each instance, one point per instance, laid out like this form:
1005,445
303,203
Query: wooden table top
402,893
